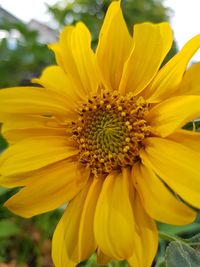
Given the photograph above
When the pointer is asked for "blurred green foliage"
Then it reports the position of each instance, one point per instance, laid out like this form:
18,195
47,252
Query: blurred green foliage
21,56
23,241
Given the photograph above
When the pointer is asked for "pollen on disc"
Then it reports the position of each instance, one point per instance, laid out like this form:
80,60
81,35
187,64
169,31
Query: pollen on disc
110,131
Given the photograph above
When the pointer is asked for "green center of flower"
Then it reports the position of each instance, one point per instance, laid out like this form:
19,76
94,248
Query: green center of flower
110,131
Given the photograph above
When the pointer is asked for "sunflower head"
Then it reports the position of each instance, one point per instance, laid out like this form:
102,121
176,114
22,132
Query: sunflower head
110,130
104,134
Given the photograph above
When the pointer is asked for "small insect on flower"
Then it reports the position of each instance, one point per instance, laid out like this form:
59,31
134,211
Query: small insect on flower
104,134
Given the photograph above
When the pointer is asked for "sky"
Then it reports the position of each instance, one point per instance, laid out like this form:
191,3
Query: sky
185,21
26,9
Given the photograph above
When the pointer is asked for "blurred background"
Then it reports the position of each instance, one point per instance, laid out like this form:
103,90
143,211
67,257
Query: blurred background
26,27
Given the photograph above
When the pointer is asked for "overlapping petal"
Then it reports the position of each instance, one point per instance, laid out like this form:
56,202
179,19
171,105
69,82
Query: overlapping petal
34,153
114,46
74,54
177,165
114,223
173,113
152,191
151,43
148,241
102,258
54,79
190,84
53,186
187,138
170,76
32,101
77,238
21,127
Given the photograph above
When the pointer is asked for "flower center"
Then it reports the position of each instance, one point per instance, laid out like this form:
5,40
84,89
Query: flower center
110,131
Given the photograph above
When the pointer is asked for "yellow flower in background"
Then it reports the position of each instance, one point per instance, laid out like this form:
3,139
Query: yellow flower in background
104,135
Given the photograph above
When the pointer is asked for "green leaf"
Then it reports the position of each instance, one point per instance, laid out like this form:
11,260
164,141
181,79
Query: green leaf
8,228
194,241
4,190
160,264
179,254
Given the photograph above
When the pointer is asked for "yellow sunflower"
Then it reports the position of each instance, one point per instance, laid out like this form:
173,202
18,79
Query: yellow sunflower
104,135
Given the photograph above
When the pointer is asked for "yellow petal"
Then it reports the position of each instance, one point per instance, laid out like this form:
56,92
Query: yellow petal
190,84
102,258
32,101
54,79
114,224
172,114
114,46
187,138
151,44
59,254
86,241
77,224
55,47
152,191
34,153
49,188
177,165
76,57
21,127
146,249
170,76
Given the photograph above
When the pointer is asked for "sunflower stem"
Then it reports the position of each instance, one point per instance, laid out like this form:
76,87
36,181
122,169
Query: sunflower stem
168,237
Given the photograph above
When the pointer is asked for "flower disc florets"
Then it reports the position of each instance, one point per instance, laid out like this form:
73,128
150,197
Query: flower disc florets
110,131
